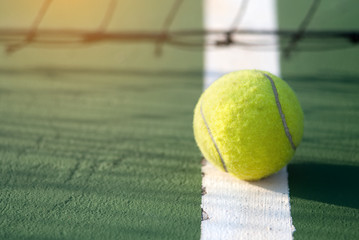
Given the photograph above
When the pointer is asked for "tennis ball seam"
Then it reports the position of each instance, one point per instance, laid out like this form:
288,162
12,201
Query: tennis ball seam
279,107
282,116
212,138
262,104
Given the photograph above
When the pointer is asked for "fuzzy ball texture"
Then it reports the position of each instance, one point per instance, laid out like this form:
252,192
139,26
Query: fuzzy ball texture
248,123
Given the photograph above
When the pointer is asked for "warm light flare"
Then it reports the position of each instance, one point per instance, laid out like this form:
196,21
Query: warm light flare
83,14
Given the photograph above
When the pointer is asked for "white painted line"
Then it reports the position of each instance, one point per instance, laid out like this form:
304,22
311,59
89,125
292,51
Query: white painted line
260,15
238,209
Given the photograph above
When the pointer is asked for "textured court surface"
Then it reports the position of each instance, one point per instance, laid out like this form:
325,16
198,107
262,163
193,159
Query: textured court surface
96,141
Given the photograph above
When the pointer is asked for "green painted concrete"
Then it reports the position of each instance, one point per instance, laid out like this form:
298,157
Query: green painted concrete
96,142
323,176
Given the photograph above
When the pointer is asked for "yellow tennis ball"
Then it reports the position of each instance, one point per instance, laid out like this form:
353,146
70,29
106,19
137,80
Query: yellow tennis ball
248,123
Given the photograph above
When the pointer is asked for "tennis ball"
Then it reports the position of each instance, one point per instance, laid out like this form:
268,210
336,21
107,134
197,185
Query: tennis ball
248,123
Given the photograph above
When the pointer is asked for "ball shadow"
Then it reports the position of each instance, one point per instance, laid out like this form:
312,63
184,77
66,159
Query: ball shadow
331,184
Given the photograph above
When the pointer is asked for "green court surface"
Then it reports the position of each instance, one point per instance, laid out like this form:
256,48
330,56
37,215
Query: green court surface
323,176
96,142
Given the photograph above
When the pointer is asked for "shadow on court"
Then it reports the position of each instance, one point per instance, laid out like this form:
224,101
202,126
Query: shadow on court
325,168
331,184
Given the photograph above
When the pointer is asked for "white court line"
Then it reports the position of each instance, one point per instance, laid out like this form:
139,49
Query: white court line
237,209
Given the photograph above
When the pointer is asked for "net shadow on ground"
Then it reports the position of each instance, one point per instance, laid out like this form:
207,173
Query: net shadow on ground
58,71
